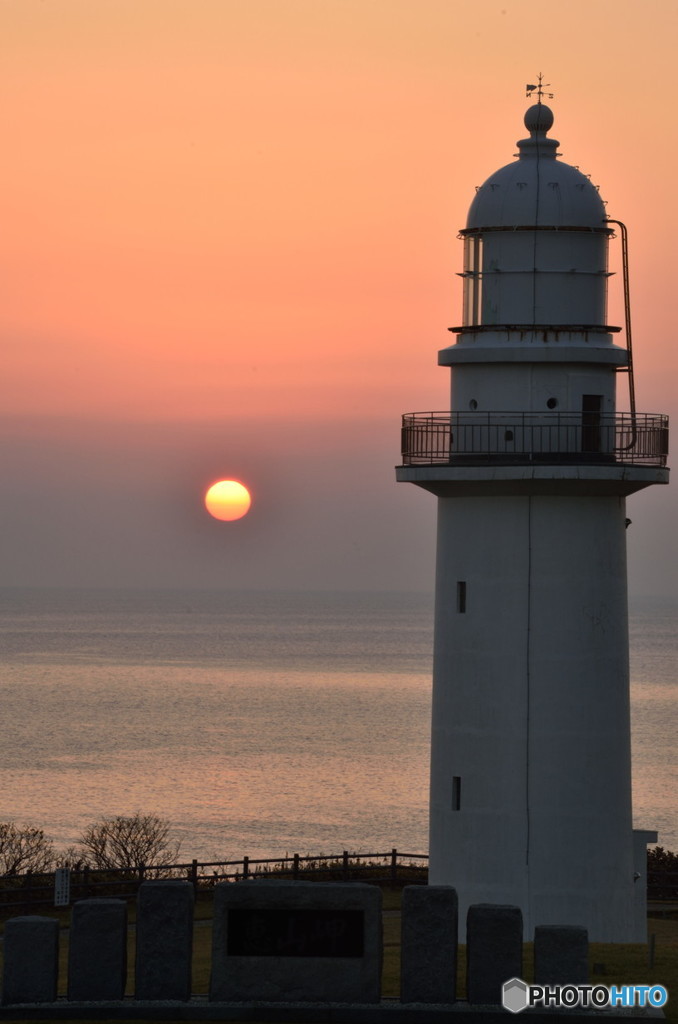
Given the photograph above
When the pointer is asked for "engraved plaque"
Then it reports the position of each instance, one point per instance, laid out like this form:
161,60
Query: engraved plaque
300,933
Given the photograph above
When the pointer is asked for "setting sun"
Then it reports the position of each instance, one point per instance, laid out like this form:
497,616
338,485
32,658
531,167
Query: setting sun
228,500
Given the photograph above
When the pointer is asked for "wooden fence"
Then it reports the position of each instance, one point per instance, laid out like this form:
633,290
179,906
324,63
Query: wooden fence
29,892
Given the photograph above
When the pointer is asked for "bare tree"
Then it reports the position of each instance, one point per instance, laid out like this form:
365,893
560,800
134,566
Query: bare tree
24,848
72,857
129,842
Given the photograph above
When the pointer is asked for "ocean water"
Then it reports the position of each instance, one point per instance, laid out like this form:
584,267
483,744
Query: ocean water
258,723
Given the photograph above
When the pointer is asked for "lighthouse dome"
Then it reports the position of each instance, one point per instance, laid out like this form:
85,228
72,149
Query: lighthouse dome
537,189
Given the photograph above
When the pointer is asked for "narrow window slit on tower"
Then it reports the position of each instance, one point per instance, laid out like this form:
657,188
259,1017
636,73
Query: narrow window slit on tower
456,792
461,595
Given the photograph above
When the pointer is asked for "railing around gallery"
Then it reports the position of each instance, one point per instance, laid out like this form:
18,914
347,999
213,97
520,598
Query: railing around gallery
27,892
447,438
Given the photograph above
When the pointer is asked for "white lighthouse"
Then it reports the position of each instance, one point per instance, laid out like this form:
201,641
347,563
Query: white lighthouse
530,760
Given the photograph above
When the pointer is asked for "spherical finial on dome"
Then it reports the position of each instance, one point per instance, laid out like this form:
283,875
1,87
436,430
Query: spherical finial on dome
539,118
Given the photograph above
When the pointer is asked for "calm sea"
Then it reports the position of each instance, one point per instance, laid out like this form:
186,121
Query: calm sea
258,723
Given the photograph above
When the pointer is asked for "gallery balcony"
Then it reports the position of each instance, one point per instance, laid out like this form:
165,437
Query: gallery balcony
526,438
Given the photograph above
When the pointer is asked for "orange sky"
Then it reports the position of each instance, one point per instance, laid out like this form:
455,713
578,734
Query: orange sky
228,212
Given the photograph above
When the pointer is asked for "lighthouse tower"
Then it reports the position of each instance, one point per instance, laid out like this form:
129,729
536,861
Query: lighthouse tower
530,758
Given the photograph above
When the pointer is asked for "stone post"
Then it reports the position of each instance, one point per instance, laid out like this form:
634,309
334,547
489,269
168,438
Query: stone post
494,951
31,960
97,953
561,955
428,965
164,940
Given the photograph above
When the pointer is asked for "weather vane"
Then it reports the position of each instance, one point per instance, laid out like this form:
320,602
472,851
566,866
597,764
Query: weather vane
541,84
